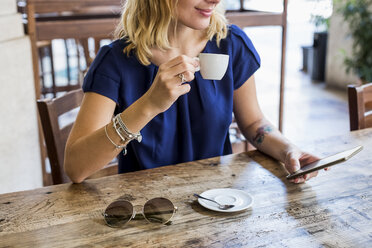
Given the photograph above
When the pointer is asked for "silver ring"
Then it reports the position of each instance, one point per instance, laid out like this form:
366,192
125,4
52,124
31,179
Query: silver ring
182,77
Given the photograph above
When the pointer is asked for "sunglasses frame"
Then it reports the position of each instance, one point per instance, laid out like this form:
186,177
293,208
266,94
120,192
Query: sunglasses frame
134,213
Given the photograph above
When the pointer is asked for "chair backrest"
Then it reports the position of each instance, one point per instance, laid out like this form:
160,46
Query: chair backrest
247,17
65,19
55,136
360,106
50,111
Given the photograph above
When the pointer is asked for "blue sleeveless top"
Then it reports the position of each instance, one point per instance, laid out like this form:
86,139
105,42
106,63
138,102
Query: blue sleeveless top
196,126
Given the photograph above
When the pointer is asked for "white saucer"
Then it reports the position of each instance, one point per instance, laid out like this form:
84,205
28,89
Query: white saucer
241,199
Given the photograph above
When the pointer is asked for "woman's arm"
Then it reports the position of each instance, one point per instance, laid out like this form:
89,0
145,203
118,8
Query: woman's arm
88,149
262,134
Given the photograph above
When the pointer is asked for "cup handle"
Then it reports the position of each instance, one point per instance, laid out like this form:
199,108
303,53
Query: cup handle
197,68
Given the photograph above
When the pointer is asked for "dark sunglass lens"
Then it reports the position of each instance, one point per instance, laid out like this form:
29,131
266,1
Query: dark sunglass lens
158,210
118,213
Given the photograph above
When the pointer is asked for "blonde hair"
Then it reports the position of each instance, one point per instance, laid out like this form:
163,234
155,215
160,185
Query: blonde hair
145,24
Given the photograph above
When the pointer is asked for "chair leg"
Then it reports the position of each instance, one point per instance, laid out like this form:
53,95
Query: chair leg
67,63
41,69
79,82
52,72
45,51
85,45
97,45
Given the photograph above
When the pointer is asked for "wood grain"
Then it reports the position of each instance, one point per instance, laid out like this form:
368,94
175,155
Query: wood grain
332,210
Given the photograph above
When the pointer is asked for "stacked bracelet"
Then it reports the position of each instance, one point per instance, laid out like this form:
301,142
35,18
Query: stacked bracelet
122,130
116,146
125,135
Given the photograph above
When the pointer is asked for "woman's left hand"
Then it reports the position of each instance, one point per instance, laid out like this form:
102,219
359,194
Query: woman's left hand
295,160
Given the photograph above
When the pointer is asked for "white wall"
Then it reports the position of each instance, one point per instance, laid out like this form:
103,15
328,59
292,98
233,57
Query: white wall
20,166
338,39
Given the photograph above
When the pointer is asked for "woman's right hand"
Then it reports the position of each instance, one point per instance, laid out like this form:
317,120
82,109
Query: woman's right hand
168,85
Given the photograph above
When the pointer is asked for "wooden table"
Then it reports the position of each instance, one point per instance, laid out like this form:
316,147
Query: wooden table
332,210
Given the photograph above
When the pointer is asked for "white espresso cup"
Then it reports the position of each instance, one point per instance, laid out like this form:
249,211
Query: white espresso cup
212,66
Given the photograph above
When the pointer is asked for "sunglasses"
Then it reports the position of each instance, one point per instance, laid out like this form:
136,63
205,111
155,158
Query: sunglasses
157,210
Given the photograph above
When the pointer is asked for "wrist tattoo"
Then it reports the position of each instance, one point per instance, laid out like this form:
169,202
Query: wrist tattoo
260,134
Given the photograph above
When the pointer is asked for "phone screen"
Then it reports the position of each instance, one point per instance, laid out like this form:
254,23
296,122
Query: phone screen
326,162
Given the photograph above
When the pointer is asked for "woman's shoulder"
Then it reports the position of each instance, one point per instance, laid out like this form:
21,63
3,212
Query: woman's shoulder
111,60
236,37
116,47
114,53
235,29
236,32
118,44
240,41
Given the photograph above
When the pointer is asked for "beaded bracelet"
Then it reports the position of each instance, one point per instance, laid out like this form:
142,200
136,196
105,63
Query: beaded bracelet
117,147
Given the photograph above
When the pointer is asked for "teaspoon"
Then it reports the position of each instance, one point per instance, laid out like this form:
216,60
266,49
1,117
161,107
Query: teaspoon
220,206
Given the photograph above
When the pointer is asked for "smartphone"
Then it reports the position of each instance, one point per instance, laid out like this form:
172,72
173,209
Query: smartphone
326,162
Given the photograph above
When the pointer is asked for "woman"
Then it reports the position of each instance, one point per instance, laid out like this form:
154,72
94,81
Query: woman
147,79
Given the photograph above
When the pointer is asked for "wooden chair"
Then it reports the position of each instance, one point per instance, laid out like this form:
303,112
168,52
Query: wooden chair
68,19
360,106
50,111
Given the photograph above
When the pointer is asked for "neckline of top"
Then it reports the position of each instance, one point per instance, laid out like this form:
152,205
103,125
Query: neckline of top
203,51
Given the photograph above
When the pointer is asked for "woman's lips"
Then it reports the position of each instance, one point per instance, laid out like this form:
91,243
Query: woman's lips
205,12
